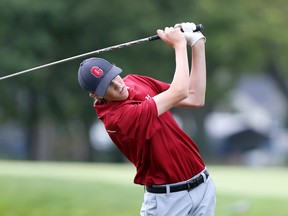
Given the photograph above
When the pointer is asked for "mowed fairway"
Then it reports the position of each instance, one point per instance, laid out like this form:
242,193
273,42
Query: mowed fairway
80,189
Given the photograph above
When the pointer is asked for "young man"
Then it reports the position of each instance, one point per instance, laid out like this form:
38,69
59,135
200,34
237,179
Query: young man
135,112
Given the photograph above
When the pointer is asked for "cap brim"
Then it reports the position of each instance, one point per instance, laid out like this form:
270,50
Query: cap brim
105,82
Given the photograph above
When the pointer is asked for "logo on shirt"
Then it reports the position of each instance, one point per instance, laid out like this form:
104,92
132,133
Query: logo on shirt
96,71
148,97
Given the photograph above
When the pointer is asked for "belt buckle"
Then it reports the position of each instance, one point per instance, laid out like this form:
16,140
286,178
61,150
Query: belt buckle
199,180
194,183
190,185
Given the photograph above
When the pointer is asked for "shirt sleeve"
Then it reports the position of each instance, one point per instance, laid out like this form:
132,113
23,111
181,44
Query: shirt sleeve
156,85
159,86
139,120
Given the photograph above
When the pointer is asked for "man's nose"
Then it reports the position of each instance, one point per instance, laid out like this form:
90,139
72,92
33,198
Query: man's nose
116,84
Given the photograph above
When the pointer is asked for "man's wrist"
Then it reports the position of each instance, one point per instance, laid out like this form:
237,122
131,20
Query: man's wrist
199,43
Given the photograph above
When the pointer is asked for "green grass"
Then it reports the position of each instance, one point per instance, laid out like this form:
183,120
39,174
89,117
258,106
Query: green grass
79,189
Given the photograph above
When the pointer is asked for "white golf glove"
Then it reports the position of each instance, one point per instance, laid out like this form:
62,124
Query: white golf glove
188,28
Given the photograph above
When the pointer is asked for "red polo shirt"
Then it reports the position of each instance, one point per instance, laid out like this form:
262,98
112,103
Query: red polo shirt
160,150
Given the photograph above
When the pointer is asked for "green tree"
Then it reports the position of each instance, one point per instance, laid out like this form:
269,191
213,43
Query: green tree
242,37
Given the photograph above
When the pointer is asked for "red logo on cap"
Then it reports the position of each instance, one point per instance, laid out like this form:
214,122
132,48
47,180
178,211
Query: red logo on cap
96,71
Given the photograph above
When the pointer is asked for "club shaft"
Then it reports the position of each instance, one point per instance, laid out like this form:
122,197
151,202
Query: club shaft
119,46
79,56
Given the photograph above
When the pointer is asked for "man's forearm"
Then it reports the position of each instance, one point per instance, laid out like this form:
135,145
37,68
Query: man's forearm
197,80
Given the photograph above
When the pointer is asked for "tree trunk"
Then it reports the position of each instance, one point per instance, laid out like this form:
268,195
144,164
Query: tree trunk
274,73
32,117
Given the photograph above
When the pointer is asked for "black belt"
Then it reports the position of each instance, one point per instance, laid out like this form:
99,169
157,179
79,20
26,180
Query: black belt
189,185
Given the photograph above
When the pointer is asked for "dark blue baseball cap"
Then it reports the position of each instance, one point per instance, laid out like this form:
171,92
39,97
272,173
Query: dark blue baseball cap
95,75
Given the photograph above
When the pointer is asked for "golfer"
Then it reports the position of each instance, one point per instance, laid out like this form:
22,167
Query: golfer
136,113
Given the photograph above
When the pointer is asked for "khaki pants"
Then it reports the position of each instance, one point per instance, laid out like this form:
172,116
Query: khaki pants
199,201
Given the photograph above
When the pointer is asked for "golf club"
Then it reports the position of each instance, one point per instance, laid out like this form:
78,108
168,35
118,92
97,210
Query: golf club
199,27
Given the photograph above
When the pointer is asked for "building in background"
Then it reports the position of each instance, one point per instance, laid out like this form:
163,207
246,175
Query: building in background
251,130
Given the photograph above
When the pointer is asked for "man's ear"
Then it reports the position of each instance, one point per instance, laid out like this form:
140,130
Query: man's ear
94,96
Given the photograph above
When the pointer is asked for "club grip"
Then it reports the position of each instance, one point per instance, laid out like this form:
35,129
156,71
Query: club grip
199,27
